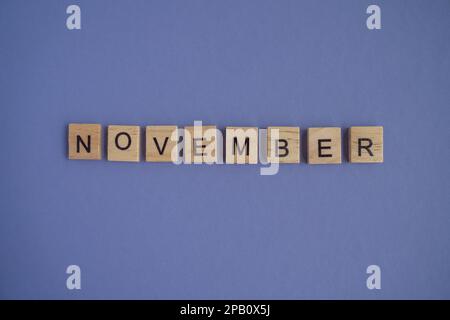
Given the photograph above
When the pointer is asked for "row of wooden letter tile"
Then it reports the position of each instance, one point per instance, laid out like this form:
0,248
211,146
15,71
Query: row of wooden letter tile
365,144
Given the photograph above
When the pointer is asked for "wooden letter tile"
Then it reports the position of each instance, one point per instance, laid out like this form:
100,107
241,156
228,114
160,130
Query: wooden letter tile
160,141
365,144
85,141
283,144
200,144
241,145
324,145
123,143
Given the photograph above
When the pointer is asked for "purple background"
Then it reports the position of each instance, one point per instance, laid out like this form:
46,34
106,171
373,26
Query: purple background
163,231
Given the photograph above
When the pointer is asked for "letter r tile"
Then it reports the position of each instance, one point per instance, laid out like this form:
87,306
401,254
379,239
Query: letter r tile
365,144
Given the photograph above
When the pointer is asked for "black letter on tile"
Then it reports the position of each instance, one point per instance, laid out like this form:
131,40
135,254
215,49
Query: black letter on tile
117,141
321,155
86,147
367,147
196,141
284,147
246,146
161,151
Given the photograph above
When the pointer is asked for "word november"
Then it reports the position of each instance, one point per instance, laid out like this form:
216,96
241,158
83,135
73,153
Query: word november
243,145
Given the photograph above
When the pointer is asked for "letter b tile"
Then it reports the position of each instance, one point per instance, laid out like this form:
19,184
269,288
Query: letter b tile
283,144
